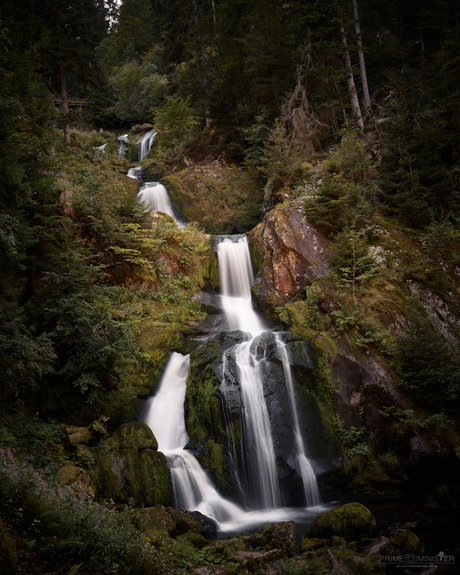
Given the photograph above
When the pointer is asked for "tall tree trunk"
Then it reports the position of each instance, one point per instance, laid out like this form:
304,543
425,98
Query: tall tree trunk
351,83
362,63
65,104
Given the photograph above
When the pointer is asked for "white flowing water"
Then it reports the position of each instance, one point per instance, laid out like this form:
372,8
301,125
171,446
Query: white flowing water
193,489
144,144
236,278
156,196
304,467
135,173
123,145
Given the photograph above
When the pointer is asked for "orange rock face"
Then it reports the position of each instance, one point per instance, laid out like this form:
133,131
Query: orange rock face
293,252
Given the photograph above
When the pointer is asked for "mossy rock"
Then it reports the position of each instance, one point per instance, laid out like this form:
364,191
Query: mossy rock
184,521
73,475
312,543
196,539
136,433
8,554
222,198
352,520
154,519
130,467
338,541
404,542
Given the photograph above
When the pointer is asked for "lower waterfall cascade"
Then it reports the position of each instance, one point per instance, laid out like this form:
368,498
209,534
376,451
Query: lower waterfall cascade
257,471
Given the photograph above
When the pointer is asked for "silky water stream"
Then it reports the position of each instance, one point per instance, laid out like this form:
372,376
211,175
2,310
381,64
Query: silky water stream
263,500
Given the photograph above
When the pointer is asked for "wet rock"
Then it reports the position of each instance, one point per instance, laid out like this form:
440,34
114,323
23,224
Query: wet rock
208,525
376,545
352,520
402,543
333,560
421,453
129,466
293,252
184,521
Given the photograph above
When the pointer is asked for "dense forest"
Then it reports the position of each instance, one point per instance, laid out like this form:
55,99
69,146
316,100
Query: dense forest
346,112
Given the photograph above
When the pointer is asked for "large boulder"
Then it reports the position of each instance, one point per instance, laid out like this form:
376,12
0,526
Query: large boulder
130,467
292,251
352,520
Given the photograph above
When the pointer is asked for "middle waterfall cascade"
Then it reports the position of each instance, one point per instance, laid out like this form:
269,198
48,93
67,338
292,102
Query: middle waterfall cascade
256,474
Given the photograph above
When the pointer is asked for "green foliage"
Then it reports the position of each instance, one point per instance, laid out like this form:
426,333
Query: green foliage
67,527
137,89
415,181
351,260
427,365
176,122
343,197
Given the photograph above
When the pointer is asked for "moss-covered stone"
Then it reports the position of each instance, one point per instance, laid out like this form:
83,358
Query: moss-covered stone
352,520
72,475
402,543
312,543
184,521
153,519
130,467
222,198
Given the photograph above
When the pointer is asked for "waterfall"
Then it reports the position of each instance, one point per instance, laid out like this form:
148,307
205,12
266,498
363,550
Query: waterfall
192,488
123,145
135,173
304,467
157,198
256,474
144,143
236,279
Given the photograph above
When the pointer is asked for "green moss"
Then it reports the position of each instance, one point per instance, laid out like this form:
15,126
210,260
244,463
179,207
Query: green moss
350,520
311,543
214,461
222,198
129,467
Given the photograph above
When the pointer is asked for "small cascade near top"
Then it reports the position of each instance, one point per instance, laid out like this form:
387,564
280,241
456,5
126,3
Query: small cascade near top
122,145
144,144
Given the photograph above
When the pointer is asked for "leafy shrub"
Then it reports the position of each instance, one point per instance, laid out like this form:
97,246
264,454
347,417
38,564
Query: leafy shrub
65,526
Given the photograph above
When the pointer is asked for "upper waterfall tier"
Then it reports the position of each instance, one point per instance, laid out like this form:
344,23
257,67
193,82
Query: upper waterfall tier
236,279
